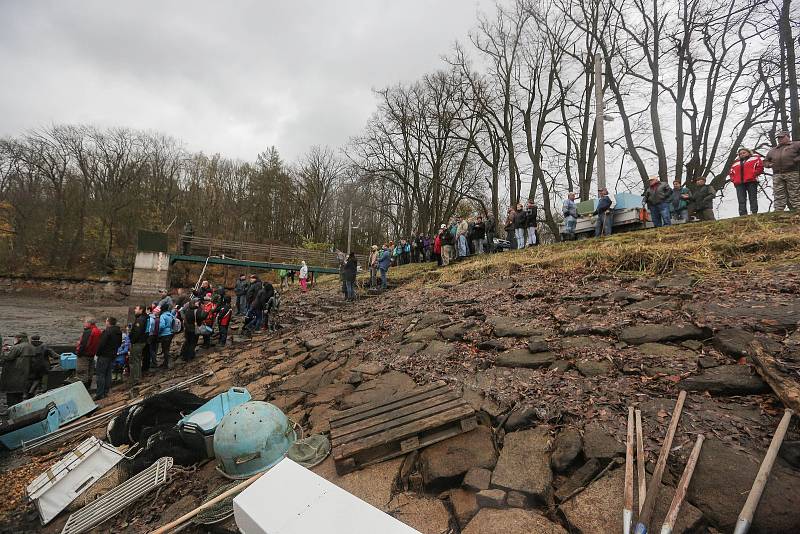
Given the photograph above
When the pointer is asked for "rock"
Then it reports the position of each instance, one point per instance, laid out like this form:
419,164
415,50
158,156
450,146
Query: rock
669,353
426,515
319,419
587,330
790,451
561,366
491,344
286,367
599,507
723,478
444,463
567,447
736,342
455,332
430,319
622,295
491,498
493,409
426,334
354,378
477,478
288,401
763,315
726,380
524,464
521,418
370,368
380,388
515,499
512,327
511,521
465,505
591,368
706,362
436,348
524,358
692,344
655,333
315,343
677,281
372,483
659,302
582,476
407,350
538,345
597,443
329,393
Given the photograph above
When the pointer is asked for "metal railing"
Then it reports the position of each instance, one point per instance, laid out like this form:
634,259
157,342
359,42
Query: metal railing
273,253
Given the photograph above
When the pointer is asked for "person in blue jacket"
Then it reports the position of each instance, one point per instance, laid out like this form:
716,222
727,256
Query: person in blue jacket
384,261
165,335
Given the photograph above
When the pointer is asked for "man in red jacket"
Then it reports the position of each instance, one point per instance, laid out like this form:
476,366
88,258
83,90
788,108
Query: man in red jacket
744,175
86,350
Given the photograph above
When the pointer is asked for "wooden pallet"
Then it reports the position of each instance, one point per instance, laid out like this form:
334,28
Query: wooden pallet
385,429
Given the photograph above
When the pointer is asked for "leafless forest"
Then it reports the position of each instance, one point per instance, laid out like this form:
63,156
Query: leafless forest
509,115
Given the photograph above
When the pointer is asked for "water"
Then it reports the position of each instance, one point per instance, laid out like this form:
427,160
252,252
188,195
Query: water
57,321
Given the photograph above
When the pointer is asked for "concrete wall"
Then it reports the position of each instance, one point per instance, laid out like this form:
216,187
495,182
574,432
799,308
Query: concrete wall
150,273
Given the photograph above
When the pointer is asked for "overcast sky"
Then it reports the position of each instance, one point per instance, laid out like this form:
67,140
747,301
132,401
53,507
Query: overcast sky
229,77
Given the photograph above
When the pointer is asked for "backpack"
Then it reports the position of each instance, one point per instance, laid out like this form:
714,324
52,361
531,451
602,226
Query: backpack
177,325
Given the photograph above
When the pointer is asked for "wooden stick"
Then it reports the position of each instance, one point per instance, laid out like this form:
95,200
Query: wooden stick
641,474
784,387
187,516
750,505
683,486
654,487
627,511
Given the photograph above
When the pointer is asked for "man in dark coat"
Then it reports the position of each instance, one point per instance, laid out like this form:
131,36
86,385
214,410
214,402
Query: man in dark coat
138,337
110,340
16,369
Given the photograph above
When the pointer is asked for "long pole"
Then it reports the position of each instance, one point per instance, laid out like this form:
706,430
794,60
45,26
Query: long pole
627,511
641,474
349,228
598,122
750,505
653,488
683,487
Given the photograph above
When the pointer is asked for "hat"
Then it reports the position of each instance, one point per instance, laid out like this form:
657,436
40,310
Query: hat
782,133
745,149
207,297
374,247
656,178
442,227
36,337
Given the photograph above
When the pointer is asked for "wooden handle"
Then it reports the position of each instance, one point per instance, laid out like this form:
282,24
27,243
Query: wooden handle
683,486
627,512
185,517
641,473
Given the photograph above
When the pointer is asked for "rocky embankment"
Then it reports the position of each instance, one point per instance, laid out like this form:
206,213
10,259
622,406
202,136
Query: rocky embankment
550,362
82,290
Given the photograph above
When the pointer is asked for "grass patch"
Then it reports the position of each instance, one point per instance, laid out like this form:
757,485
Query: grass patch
705,250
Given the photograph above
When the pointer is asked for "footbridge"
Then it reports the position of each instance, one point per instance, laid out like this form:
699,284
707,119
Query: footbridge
154,259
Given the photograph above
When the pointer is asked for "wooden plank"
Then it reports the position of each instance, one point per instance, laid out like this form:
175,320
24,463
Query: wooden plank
388,415
402,432
385,424
786,388
395,448
388,408
346,416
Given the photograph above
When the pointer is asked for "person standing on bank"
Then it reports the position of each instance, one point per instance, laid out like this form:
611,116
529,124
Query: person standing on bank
86,350
679,203
304,276
703,200
744,175
604,213
784,160
657,197
531,221
138,337
110,340
569,210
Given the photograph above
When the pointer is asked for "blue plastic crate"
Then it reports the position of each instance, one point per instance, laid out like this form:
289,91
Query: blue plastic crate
627,200
69,361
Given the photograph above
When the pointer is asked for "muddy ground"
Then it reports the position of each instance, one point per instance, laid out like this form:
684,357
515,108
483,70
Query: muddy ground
551,363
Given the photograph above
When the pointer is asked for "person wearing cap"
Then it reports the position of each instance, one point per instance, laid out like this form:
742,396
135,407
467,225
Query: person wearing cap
491,231
784,160
373,266
703,200
14,380
478,235
40,364
569,210
657,197
679,203
86,349
165,304
744,176
604,214
448,250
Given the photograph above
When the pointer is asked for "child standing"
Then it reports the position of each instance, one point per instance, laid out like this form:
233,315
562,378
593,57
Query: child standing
224,313
121,361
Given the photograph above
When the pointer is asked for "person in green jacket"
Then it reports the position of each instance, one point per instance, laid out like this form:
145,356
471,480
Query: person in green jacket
679,205
283,274
703,200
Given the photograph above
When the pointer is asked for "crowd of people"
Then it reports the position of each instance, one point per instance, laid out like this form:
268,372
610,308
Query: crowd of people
679,204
